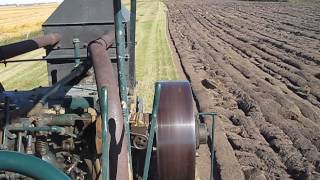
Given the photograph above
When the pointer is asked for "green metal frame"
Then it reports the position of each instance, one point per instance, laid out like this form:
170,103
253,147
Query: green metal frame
152,131
120,44
212,114
30,166
103,94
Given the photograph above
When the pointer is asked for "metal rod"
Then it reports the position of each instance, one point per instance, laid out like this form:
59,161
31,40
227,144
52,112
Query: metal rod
213,154
37,129
30,166
59,119
62,119
153,127
105,77
71,59
212,114
22,60
18,48
75,73
19,141
132,43
105,133
55,129
76,44
29,144
121,51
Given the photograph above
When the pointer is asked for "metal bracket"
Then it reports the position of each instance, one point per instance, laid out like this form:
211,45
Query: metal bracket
212,114
76,44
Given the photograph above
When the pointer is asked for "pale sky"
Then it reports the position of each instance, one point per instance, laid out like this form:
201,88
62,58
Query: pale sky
2,2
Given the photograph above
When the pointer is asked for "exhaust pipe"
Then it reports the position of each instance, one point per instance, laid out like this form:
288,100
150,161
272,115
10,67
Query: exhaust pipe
105,77
18,48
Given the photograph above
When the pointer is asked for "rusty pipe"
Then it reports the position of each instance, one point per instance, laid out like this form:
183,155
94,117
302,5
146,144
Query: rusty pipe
18,48
105,77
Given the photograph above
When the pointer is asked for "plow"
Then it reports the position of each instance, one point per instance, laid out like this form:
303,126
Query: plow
88,123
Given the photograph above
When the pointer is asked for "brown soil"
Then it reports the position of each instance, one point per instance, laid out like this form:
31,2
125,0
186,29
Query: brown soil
257,65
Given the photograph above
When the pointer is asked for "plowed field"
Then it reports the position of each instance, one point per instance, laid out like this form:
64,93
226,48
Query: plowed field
257,65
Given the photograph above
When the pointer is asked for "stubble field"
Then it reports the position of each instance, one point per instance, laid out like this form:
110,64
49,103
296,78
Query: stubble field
22,21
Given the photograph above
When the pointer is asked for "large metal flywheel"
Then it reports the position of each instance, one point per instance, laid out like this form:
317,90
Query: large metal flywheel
176,139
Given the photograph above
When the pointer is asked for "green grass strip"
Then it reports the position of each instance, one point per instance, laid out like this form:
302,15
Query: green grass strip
153,56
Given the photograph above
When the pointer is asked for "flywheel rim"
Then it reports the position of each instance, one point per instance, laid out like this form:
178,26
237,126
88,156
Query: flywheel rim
175,133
